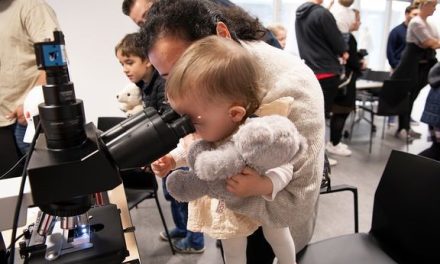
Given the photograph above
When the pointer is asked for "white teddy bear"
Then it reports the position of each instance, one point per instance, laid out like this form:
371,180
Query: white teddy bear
130,99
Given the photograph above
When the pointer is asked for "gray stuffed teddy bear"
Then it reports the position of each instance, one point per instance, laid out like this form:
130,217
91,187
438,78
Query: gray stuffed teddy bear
261,143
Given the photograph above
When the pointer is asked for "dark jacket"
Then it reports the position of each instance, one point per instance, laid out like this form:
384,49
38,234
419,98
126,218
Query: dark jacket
153,93
431,114
396,44
414,66
320,42
346,98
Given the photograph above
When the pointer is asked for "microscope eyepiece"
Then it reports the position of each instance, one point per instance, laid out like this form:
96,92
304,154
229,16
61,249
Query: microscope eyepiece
145,137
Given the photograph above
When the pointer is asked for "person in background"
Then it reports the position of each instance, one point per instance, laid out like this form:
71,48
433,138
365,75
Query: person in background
322,46
280,33
344,16
397,42
345,100
417,59
23,23
136,9
172,26
397,37
231,10
431,114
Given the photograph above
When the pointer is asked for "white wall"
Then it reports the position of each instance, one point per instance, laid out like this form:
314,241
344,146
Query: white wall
92,28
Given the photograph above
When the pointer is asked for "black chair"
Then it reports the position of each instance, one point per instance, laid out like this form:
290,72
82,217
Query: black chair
393,99
9,154
139,184
327,188
367,96
378,76
405,225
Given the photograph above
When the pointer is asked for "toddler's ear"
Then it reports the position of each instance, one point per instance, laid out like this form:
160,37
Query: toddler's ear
237,113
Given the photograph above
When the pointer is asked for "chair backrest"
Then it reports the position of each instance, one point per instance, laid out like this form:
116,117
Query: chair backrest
378,76
107,122
406,213
394,97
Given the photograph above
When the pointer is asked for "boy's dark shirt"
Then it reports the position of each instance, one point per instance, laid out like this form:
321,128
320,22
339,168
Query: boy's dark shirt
153,93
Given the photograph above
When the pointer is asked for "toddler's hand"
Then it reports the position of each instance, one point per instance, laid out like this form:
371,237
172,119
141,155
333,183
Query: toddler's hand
249,183
163,166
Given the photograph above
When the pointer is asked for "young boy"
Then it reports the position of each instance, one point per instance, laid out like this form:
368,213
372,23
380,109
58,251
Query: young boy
139,70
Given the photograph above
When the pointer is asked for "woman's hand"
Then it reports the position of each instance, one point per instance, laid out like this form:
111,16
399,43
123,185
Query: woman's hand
163,166
249,183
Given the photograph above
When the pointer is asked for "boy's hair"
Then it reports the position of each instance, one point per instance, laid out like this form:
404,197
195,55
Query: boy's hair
130,46
214,68
192,20
346,3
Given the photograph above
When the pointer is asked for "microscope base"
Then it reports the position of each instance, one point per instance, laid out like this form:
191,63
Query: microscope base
107,239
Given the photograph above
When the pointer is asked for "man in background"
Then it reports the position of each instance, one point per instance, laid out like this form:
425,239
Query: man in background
322,47
23,23
397,37
136,9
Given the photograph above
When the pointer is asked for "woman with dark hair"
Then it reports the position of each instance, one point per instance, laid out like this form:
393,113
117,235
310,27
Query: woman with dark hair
290,88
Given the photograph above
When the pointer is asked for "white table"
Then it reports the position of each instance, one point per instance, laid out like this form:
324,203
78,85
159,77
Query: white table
116,196
362,84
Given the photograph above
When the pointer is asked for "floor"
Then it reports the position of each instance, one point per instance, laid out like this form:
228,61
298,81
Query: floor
335,215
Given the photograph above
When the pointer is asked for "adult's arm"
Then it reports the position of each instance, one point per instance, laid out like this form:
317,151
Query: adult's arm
423,35
431,43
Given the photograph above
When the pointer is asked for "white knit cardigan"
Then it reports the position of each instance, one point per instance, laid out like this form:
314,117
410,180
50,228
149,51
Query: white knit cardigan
296,205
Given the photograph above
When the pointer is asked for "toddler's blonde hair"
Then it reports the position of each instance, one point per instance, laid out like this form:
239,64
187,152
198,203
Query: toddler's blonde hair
217,68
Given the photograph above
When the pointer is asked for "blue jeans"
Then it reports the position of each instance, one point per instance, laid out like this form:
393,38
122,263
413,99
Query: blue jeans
19,132
179,211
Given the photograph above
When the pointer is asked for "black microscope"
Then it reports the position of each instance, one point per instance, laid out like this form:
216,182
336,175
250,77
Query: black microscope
73,160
